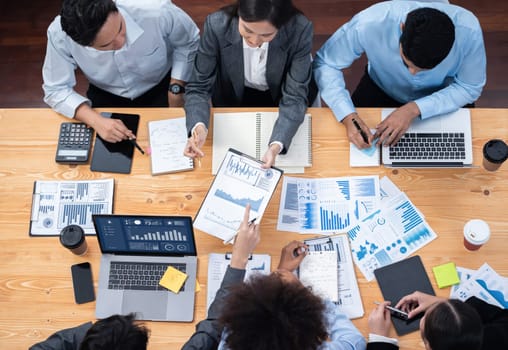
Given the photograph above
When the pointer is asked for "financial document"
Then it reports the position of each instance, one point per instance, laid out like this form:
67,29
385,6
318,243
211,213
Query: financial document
56,204
326,205
391,233
346,285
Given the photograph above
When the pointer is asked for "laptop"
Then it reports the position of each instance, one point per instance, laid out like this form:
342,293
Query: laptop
439,142
136,251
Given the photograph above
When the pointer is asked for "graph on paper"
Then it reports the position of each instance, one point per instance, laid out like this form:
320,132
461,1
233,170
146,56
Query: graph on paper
388,235
56,204
240,180
333,204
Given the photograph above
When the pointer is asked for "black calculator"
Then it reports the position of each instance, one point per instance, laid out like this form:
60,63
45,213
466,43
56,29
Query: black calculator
74,143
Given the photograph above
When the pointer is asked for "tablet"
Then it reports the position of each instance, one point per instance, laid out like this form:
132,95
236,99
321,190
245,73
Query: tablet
115,157
400,279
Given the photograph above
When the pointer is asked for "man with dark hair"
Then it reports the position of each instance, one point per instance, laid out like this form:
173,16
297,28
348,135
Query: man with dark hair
113,333
271,311
425,61
133,53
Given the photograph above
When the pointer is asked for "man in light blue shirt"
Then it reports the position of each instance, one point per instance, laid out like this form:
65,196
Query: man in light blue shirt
130,51
426,59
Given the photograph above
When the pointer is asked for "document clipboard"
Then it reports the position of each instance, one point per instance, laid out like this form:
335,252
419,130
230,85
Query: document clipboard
400,279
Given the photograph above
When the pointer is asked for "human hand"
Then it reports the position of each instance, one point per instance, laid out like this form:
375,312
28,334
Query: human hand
246,240
288,259
416,303
379,320
270,155
195,142
390,130
112,130
354,135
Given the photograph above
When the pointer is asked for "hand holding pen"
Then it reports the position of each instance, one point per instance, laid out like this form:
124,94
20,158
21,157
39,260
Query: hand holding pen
356,131
247,238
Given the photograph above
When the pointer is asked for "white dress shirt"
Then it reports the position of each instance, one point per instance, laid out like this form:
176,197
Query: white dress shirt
254,66
159,37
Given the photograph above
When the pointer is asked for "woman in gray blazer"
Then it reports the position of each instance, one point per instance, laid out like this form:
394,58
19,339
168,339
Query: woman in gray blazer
255,53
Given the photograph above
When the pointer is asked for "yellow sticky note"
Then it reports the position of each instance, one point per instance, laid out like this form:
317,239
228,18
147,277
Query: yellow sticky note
446,275
198,287
173,279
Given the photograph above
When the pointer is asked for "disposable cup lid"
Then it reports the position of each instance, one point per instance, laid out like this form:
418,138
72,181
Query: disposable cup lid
477,231
72,236
495,151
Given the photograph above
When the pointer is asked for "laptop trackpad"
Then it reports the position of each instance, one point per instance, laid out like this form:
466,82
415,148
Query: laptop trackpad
150,306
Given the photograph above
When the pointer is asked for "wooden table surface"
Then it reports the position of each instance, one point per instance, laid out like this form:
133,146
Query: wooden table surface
36,296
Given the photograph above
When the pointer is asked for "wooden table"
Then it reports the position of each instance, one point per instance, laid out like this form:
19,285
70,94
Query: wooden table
36,296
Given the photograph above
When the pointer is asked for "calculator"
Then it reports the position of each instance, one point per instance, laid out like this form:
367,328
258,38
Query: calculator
74,143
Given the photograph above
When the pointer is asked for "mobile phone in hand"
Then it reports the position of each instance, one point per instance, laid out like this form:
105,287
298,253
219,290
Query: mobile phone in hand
82,283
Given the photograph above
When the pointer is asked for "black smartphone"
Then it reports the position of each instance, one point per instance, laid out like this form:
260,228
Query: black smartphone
82,282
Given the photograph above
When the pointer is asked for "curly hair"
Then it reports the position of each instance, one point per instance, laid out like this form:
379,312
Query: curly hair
269,313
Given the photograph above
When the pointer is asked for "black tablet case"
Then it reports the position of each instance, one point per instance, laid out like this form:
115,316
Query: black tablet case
115,157
400,279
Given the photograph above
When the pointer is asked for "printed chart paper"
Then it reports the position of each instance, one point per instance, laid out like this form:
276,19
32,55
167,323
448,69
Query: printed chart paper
239,181
56,204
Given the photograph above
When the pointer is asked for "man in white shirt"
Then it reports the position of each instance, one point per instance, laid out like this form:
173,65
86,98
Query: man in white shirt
133,53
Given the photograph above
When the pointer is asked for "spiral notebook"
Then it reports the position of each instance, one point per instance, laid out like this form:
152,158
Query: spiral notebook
167,142
249,132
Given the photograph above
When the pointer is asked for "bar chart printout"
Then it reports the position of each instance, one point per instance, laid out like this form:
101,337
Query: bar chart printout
329,205
388,235
56,204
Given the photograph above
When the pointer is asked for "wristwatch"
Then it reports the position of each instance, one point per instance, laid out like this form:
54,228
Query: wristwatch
176,89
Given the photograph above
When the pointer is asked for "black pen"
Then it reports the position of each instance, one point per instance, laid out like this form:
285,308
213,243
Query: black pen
226,241
133,141
364,135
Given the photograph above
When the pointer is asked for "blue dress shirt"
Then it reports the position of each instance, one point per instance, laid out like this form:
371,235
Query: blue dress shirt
453,83
159,37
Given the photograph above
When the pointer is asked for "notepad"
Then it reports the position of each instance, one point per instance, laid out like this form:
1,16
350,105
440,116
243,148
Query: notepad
319,271
446,275
364,157
168,138
249,132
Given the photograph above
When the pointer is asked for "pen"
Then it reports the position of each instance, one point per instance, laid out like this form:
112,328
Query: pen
364,135
133,141
232,237
199,158
397,312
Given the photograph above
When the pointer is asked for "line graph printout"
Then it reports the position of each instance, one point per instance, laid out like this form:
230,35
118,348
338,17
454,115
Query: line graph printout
329,205
56,204
240,180
388,235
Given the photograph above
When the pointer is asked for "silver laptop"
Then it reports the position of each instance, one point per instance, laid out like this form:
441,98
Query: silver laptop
136,251
439,142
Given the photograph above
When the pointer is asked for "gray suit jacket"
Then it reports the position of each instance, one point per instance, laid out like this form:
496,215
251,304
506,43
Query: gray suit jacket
219,73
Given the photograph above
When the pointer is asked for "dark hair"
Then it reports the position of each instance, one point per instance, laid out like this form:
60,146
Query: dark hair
83,19
427,37
277,12
269,313
116,332
453,325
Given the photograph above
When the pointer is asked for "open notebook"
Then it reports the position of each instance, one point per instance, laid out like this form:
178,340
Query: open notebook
249,132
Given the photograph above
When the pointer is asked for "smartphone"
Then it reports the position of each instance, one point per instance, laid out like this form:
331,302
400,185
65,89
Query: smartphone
82,283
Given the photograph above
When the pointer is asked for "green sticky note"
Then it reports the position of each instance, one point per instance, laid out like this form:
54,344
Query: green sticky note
446,275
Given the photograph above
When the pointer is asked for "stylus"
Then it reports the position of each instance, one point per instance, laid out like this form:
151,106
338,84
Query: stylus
133,141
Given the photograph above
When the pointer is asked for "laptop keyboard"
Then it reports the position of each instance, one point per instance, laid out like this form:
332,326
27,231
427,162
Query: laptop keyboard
139,276
432,146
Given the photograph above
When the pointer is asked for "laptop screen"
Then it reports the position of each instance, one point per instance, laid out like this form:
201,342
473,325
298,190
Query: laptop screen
145,235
